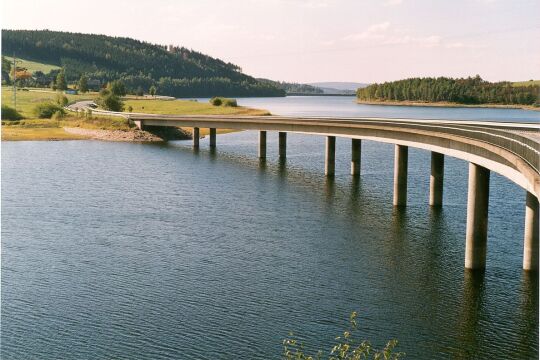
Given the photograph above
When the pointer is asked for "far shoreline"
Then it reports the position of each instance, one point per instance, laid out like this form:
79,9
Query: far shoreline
448,105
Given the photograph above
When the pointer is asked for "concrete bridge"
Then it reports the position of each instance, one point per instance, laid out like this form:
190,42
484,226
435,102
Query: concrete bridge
510,149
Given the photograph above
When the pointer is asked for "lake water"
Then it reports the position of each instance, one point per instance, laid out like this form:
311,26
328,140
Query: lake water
346,106
144,251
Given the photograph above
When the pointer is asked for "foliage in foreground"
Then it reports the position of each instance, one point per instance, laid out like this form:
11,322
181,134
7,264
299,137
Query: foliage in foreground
346,348
9,113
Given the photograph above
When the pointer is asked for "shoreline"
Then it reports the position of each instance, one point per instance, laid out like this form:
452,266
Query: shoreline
113,135
447,105
67,133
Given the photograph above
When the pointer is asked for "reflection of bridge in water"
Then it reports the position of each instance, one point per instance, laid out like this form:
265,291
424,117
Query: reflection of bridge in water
510,149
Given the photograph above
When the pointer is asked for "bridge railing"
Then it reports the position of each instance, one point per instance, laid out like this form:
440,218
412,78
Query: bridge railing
503,135
522,146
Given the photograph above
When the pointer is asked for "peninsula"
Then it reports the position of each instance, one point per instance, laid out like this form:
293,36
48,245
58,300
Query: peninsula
448,92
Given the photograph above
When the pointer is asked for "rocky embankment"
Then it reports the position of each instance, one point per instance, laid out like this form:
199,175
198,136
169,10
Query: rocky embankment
153,135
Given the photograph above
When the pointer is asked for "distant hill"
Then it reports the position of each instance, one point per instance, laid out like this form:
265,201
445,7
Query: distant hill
322,88
175,71
294,88
338,85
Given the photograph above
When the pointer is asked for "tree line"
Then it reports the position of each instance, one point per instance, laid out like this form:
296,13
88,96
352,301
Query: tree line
471,90
138,64
294,88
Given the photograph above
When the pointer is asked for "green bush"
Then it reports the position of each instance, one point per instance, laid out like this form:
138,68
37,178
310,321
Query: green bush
61,99
221,101
216,101
57,116
46,110
9,113
108,101
230,102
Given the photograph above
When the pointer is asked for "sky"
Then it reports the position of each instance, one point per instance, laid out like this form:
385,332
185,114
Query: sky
318,40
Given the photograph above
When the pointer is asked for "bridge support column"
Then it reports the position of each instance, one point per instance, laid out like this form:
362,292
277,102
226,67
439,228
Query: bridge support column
530,248
356,156
330,161
400,175
282,145
262,144
196,136
212,137
477,217
139,124
436,179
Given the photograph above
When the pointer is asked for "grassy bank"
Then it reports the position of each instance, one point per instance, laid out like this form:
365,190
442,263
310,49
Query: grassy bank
448,104
31,128
27,100
46,129
37,134
187,107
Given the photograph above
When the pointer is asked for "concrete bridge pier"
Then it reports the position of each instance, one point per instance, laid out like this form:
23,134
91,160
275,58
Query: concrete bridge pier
356,156
530,248
262,144
196,136
436,179
282,145
212,137
477,217
330,159
400,175
139,124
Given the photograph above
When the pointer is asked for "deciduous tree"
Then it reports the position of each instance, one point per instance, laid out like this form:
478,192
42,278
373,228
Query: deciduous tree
83,84
61,81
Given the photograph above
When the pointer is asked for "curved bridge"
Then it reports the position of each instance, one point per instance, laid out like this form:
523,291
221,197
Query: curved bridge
510,149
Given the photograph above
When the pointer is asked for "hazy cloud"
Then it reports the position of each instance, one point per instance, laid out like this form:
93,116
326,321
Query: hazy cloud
461,45
315,4
393,2
384,33
429,41
375,31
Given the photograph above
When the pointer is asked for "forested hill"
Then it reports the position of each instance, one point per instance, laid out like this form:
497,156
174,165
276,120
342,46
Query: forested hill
294,88
461,91
176,72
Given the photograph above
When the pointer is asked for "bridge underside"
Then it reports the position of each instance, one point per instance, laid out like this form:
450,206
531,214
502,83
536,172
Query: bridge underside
428,137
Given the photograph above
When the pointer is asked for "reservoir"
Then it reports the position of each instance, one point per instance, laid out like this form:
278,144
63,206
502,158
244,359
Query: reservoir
154,251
